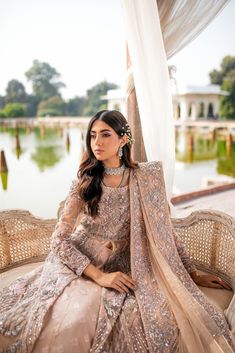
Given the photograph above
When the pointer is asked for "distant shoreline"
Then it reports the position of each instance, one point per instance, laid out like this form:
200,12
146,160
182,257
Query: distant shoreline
84,120
49,121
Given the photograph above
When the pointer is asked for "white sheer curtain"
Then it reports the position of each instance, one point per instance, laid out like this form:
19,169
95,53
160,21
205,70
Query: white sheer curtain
153,37
182,21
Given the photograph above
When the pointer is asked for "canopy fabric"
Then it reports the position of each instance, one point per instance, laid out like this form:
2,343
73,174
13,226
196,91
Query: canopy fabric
183,20
155,31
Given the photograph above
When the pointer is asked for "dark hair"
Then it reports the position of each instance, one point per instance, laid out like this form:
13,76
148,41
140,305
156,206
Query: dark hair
90,173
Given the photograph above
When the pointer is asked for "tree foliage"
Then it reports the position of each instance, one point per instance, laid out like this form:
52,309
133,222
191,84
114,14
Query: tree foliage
225,77
227,103
216,77
46,98
32,105
227,64
75,106
2,101
53,106
44,79
15,92
94,97
13,110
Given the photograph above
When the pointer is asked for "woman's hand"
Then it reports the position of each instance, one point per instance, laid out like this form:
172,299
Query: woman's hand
116,280
209,280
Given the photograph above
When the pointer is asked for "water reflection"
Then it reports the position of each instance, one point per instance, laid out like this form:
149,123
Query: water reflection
46,133
226,158
194,146
47,156
4,179
49,148
56,152
67,142
3,170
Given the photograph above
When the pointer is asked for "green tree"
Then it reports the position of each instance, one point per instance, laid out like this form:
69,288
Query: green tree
227,103
32,105
75,106
225,77
44,80
216,77
2,114
227,64
15,92
94,97
2,102
53,106
14,110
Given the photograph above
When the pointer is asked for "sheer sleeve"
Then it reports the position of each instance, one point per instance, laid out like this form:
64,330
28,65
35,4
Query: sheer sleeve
187,262
61,243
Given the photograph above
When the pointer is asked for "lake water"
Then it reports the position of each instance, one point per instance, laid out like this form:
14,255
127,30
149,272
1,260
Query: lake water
41,171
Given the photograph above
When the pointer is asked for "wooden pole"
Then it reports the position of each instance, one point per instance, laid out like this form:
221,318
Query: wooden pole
42,131
133,117
68,142
17,142
3,163
229,142
212,136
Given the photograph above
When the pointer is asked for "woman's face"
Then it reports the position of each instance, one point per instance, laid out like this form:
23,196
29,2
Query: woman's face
105,142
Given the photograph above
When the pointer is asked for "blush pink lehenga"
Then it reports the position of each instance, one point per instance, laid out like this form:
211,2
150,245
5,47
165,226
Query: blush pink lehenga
56,309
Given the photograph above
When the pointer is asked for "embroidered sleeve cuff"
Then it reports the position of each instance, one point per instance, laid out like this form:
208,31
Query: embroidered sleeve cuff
84,263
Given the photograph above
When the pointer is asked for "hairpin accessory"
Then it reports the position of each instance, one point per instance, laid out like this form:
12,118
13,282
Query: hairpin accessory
127,131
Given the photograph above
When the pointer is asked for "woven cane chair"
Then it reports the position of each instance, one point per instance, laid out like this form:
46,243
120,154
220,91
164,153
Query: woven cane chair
209,237
24,238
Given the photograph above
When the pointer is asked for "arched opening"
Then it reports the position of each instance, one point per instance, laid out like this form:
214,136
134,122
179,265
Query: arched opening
178,114
190,110
201,110
210,113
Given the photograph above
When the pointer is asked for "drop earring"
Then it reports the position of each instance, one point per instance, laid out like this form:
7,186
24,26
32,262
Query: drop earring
120,152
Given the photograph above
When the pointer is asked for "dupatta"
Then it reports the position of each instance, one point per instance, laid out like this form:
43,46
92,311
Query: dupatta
174,311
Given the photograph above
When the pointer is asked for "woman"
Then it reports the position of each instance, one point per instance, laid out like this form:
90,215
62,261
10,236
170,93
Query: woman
117,278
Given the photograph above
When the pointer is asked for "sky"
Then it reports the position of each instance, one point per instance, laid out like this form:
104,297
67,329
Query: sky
84,40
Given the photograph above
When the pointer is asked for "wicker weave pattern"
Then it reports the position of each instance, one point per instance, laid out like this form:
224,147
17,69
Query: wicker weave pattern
23,238
209,237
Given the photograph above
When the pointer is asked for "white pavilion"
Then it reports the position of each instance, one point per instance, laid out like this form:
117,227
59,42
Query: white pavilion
190,103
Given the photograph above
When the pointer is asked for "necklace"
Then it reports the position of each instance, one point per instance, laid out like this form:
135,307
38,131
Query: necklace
115,171
116,187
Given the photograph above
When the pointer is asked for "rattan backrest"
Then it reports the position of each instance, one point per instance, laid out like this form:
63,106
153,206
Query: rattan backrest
209,237
23,238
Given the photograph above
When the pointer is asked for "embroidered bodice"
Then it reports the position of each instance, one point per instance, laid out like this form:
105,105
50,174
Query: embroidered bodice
103,240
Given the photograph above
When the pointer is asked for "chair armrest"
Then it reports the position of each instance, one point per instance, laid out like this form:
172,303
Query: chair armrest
24,238
209,237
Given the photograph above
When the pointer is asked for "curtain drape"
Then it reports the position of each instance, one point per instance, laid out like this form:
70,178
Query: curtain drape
182,21
155,31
